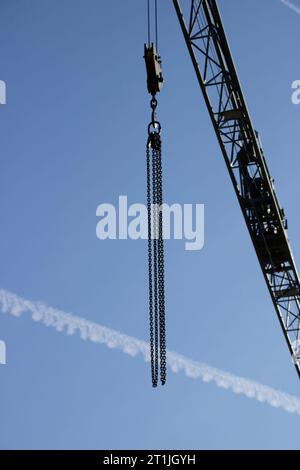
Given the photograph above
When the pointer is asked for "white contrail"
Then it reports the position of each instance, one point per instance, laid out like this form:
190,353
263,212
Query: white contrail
65,322
291,6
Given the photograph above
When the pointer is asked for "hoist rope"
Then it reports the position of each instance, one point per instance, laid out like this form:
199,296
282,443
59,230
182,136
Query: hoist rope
148,20
155,23
156,27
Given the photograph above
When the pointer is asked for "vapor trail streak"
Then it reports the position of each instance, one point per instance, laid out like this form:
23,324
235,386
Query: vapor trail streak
65,322
291,6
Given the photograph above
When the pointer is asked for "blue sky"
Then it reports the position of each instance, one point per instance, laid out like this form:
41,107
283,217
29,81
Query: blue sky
73,136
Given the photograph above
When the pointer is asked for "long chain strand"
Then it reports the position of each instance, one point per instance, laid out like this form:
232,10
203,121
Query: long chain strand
161,280
156,260
153,371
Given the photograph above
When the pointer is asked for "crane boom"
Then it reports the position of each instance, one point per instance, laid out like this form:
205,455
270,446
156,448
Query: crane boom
244,157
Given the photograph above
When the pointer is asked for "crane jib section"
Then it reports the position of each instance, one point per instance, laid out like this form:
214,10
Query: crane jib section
206,40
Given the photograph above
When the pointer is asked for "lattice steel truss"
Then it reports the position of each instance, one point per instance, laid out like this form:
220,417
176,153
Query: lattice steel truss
213,63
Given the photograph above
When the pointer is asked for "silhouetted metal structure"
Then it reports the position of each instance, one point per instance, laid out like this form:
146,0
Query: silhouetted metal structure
216,73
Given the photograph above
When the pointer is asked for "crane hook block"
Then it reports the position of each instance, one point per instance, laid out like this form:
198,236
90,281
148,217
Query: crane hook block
153,67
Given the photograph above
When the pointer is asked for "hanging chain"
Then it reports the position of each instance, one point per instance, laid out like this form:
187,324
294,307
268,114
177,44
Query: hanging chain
156,250
153,370
161,274
154,208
